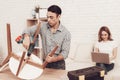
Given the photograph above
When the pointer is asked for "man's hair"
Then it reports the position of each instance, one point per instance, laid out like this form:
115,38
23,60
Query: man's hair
55,9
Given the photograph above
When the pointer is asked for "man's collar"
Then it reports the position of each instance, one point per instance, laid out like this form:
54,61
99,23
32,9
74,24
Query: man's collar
60,28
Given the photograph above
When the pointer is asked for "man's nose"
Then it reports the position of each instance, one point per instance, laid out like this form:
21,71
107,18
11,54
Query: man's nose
48,19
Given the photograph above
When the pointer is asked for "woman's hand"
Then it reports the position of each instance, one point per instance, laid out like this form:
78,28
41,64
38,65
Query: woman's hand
111,58
114,54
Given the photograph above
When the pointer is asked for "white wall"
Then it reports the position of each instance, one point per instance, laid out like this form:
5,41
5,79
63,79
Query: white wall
83,18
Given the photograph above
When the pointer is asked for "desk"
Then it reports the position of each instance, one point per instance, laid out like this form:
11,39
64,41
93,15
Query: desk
48,74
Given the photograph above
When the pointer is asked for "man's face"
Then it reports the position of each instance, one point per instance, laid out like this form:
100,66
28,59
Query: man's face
53,18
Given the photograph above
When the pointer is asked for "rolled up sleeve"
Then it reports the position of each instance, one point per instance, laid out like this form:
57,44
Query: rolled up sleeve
66,46
30,30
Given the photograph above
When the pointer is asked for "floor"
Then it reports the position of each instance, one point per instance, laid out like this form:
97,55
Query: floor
48,74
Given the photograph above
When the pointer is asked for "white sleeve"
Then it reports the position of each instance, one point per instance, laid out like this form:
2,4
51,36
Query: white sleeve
115,44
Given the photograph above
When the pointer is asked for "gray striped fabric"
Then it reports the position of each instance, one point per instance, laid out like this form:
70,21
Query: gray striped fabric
61,37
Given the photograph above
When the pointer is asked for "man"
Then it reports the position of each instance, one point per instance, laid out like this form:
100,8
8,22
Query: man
52,32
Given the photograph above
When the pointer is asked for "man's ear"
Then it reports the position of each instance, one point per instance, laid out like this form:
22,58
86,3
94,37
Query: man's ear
59,16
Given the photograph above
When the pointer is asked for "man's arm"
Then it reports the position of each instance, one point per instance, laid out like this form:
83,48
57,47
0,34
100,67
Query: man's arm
26,41
64,50
31,31
50,59
26,34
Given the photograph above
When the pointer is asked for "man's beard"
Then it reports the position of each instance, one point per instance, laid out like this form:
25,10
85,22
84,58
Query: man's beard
51,25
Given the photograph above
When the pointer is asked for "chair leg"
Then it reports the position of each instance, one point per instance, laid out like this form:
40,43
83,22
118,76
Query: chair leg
3,67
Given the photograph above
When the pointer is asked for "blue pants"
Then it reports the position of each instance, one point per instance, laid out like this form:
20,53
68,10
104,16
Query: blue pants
106,67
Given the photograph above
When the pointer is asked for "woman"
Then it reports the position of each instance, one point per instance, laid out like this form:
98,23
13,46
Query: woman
106,44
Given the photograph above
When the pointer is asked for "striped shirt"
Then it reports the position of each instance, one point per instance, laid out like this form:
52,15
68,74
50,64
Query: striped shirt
61,37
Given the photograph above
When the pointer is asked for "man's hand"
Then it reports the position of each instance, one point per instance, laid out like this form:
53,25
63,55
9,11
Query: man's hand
26,41
50,59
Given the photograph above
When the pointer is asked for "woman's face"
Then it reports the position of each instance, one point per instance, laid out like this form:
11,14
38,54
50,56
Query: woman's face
104,36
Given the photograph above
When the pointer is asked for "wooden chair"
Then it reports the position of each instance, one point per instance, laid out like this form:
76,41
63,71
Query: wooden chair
22,59
11,54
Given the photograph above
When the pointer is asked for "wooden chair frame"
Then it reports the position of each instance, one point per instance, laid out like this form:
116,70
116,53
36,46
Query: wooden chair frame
22,58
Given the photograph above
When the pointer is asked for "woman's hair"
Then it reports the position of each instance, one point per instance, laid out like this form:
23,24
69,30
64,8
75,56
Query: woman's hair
106,29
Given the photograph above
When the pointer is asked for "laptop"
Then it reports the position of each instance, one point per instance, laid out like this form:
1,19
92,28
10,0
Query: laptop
100,57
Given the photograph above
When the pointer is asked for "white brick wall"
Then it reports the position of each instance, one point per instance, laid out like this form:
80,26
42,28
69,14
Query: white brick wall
82,17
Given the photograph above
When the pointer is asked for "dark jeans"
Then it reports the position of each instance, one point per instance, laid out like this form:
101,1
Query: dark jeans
57,65
106,67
